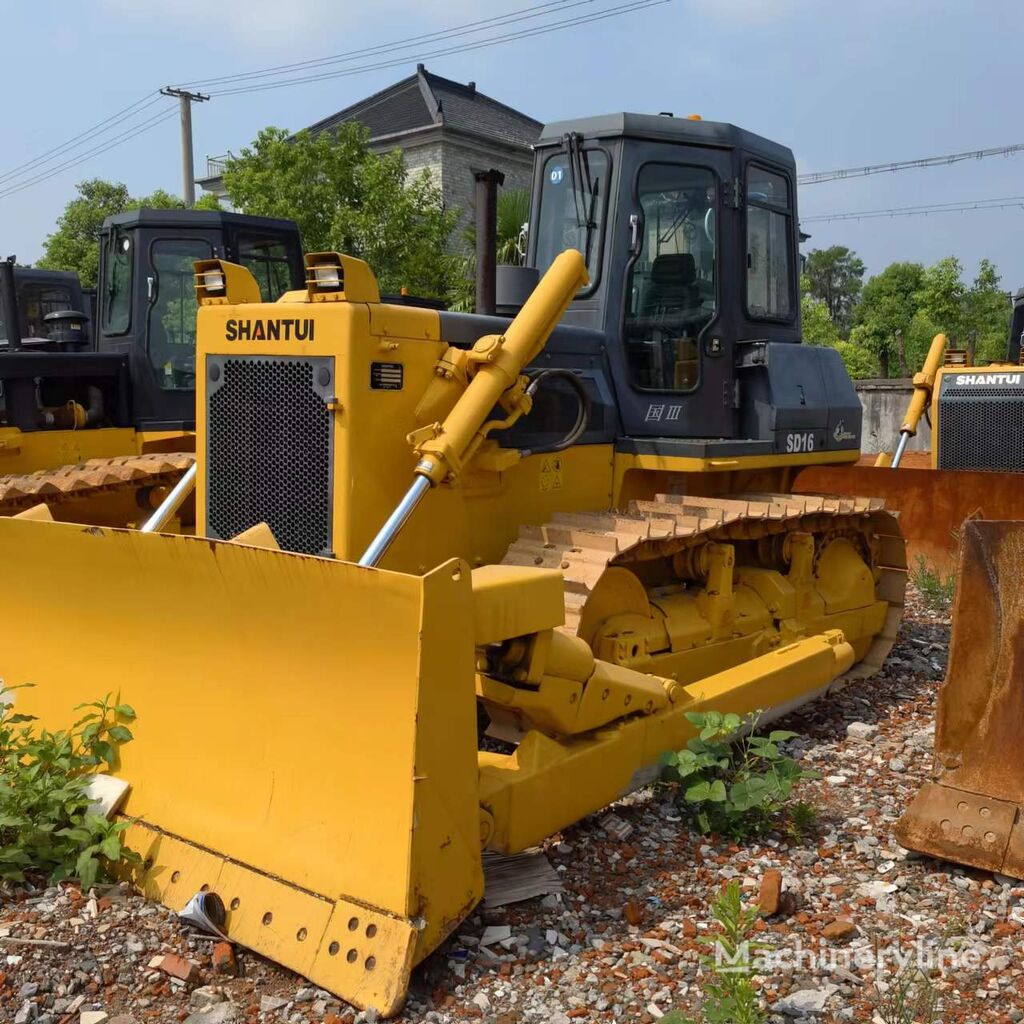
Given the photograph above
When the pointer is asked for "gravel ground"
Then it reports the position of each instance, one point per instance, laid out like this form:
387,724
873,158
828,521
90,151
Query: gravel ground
621,944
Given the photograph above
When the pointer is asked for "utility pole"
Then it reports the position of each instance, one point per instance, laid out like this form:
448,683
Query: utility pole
188,173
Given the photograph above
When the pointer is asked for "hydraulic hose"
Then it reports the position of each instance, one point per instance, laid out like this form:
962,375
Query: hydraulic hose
583,406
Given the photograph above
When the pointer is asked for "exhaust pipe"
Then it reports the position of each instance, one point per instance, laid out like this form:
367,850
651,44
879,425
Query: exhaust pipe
9,305
486,201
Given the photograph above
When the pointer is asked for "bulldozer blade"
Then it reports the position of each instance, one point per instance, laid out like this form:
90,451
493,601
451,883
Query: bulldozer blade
933,504
305,740
973,812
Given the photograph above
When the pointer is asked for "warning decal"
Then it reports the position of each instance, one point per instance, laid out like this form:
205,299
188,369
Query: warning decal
551,473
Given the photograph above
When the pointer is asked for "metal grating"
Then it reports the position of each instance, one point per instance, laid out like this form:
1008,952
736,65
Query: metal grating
269,445
981,429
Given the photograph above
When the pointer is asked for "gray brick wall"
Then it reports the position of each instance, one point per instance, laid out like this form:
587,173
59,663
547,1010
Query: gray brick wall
460,160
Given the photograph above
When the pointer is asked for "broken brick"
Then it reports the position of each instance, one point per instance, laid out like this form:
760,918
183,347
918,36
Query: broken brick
839,931
770,893
224,961
176,966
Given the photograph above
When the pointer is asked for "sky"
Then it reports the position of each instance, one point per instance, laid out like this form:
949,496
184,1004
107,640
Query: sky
843,84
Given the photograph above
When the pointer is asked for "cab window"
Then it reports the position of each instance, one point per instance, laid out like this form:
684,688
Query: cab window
171,340
116,297
36,301
670,293
573,194
266,258
769,230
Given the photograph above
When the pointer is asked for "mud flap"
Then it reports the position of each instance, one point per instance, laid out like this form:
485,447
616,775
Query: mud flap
305,744
973,812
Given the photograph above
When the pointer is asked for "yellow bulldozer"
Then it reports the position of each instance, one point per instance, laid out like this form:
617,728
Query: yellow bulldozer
416,529
97,407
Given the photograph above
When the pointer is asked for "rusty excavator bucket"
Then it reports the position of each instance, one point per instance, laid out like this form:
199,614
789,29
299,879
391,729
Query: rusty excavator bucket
973,812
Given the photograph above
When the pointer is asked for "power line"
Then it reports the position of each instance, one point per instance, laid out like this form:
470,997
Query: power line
636,5
108,144
11,181
1002,203
817,177
510,17
100,128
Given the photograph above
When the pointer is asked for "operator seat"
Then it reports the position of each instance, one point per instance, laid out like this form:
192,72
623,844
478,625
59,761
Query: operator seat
674,287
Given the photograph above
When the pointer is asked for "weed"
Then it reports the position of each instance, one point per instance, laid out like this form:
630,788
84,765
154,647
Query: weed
730,996
911,998
936,590
46,823
801,818
736,787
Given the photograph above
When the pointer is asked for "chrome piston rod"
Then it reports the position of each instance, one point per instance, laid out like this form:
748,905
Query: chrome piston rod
390,530
900,448
181,490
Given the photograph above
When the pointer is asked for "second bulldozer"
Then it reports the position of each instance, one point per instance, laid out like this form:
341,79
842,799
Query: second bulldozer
97,409
416,527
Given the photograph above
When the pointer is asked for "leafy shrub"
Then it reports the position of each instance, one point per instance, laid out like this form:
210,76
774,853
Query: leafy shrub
935,589
729,997
736,786
46,823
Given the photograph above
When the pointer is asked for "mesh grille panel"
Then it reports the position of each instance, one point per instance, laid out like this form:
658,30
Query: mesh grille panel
981,429
269,450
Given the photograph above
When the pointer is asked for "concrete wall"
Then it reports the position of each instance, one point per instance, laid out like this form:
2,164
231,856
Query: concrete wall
885,403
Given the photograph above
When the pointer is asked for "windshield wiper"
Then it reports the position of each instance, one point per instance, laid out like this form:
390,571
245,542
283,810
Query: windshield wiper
583,187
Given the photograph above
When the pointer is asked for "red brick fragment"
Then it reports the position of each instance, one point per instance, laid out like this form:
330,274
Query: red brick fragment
224,961
177,967
770,893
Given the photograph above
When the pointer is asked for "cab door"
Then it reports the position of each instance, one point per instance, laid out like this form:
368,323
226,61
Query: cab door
676,338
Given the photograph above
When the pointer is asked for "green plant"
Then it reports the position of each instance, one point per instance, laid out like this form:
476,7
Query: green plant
730,996
46,821
935,589
801,819
734,786
911,998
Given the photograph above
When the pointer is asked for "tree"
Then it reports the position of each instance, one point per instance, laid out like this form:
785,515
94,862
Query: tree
346,199
75,244
818,328
987,311
513,213
860,363
886,311
817,325
942,297
834,277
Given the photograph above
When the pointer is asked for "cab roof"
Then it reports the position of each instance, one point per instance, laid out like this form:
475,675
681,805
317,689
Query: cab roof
197,218
662,128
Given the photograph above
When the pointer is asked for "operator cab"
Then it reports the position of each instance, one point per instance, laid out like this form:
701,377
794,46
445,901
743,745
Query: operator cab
689,230
50,310
146,306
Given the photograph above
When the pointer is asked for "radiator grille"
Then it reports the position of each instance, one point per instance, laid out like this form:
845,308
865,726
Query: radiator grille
269,449
981,428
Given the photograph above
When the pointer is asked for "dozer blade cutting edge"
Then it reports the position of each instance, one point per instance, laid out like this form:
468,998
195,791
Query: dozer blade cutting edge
933,504
306,739
973,812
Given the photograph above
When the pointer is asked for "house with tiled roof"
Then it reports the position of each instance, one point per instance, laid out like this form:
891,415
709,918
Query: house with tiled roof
448,128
